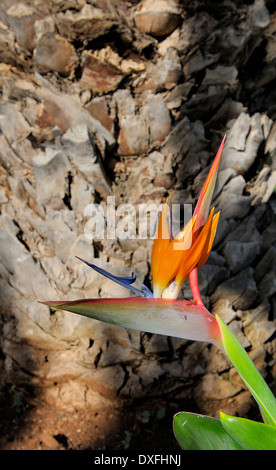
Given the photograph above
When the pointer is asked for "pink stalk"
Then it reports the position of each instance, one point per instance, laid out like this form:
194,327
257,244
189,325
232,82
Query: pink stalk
193,279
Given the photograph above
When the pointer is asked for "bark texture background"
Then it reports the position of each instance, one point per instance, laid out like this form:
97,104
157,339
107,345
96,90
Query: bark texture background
131,99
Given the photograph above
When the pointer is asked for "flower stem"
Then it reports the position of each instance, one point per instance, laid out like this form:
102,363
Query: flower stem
193,279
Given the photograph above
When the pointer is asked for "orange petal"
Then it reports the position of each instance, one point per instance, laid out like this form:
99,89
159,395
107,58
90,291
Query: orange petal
171,259
161,242
209,241
204,201
192,257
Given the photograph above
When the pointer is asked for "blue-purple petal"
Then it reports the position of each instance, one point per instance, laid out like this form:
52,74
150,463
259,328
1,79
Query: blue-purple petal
123,281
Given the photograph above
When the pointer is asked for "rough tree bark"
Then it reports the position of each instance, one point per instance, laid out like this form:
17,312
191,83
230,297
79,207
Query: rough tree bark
131,99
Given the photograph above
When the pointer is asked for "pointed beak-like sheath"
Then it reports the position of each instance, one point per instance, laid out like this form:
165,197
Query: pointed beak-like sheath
168,317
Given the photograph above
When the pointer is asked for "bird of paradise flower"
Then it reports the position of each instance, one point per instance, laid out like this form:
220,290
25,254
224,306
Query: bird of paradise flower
174,260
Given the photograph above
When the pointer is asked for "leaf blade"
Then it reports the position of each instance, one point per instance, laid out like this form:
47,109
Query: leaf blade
250,434
198,432
248,372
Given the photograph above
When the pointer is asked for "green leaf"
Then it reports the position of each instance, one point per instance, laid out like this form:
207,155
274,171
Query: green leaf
250,434
249,373
197,432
